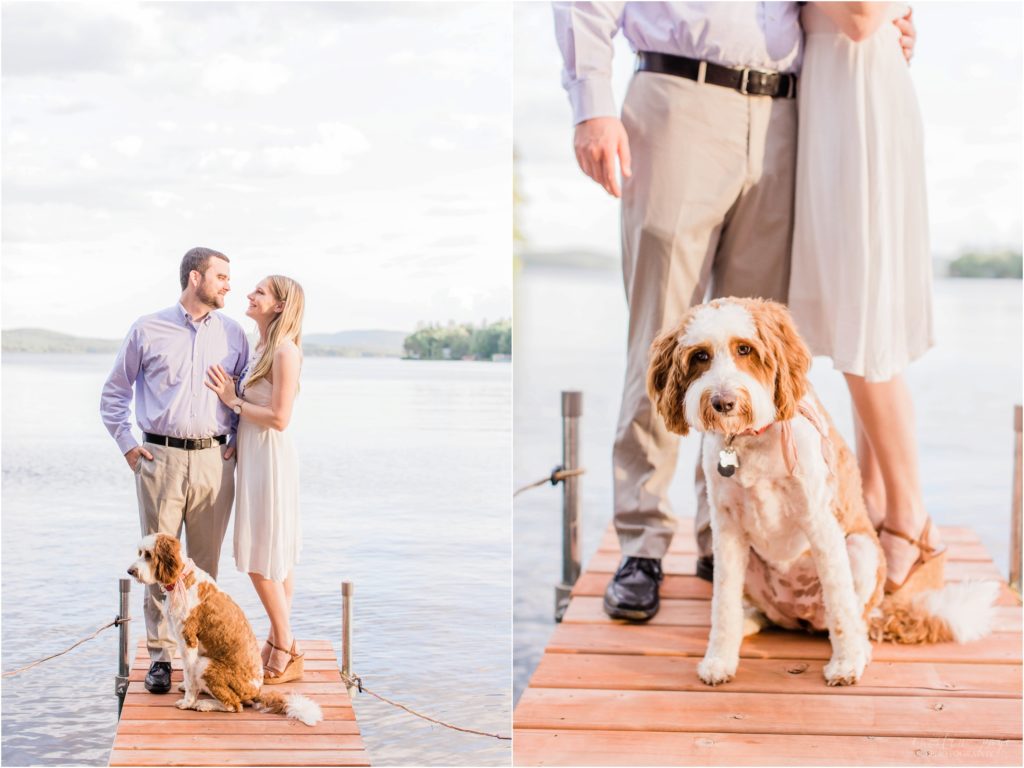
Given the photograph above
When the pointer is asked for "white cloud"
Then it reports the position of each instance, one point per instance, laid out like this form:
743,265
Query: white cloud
162,199
230,73
338,144
442,144
127,145
88,163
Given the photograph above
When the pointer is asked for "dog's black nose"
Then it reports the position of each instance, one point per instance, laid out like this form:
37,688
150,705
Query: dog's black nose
723,403
132,572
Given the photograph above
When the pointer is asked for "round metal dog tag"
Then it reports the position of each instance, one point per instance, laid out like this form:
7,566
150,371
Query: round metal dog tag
728,461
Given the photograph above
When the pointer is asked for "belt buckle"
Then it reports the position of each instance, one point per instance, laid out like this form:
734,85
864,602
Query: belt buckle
762,86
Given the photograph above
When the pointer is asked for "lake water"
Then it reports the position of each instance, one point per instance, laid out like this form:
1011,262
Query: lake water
570,333
405,488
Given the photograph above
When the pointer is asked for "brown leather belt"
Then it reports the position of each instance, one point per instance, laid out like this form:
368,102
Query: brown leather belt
750,82
187,443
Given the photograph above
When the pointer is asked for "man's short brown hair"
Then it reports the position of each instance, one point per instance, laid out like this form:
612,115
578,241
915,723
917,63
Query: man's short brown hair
198,259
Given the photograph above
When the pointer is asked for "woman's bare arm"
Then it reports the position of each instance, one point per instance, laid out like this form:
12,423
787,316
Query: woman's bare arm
858,21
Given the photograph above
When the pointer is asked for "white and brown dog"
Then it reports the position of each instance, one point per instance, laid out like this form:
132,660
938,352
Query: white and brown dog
219,652
790,530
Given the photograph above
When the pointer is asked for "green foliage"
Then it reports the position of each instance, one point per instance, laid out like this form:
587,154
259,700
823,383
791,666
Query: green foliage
456,341
992,264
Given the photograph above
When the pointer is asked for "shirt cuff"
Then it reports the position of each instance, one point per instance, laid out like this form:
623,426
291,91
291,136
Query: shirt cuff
592,98
126,441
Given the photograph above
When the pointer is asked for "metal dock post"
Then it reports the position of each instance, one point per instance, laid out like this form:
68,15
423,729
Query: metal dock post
572,409
123,662
1015,514
347,590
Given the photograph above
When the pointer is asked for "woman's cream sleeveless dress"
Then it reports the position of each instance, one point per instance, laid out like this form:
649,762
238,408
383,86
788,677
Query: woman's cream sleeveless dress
860,289
268,536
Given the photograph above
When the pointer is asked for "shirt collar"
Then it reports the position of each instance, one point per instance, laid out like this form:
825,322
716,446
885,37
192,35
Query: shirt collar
187,318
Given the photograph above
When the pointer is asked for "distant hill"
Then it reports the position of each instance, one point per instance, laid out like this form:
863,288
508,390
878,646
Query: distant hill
369,343
41,340
600,260
372,343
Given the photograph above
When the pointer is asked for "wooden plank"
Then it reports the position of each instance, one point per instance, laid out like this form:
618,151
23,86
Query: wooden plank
697,613
681,587
136,712
318,643
304,686
311,665
603,748
1001,647
147,699
808,714
280,726
684,540
241,757
686,565
311,654
679,673
237,742
328,674
958,550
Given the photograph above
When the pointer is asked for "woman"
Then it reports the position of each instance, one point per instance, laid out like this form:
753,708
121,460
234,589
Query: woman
267,532
861,276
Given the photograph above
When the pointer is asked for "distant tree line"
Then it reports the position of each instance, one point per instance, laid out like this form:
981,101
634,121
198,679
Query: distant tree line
992,264
459,341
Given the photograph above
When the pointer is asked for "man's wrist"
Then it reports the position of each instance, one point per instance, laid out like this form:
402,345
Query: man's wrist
592,98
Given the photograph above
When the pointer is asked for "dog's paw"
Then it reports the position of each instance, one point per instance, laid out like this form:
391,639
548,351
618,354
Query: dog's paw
208,705
184,703
714,671
846,669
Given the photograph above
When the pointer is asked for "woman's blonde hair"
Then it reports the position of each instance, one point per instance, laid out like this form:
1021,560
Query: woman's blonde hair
287,324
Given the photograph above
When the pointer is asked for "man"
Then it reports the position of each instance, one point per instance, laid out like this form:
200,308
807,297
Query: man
707,147
184,470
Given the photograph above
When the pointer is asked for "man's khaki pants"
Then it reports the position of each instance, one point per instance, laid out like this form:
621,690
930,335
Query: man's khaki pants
709,205
179,488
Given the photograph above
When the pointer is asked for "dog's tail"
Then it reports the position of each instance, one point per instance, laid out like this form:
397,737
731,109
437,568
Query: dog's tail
293,705
961,612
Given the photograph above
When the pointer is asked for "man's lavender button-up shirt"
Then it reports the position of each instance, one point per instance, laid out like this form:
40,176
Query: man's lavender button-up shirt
165,358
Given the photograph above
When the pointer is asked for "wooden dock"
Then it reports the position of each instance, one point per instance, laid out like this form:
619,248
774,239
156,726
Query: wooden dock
152,731
612,693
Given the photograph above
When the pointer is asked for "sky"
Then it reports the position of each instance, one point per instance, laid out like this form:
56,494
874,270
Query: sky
362,148
966,69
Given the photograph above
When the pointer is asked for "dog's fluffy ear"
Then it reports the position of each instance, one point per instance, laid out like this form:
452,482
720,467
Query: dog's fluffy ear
666,380
166,559
790,356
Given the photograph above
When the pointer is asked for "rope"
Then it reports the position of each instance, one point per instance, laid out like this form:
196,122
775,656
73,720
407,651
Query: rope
557,475
114,623
356,681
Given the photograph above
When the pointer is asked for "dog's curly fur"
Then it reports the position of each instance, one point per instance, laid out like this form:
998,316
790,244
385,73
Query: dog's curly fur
791,533
220,654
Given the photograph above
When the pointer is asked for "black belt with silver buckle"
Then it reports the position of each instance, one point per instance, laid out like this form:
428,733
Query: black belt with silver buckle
187,443
750,82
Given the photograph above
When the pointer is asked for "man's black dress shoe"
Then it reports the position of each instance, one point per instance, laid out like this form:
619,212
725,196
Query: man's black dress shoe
633,591
706,568
158,679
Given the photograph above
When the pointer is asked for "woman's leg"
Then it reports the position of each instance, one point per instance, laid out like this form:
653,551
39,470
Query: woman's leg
872,482
289,590
885,413
277,605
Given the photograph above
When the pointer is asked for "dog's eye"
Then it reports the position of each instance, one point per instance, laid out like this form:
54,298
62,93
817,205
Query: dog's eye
700,356
744,349
146,555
